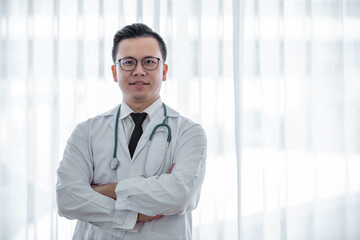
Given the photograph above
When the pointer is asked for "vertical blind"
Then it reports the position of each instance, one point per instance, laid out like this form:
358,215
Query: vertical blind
275,84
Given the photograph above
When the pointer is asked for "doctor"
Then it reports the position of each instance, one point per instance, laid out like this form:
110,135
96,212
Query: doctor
136,171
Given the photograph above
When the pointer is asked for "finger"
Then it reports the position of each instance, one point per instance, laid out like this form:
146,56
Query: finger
157,217
171,168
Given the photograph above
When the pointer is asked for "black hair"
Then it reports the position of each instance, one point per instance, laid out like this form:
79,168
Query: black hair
137,30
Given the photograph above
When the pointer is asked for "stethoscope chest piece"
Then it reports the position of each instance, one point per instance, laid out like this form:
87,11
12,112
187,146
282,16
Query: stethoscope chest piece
114,164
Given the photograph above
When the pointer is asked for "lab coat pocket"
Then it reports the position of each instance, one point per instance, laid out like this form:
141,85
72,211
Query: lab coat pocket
162,236
88,231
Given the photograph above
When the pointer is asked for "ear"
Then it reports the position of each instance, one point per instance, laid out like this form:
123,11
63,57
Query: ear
165,69
113,69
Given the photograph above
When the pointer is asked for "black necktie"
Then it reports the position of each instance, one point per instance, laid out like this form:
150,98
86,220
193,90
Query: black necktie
136,134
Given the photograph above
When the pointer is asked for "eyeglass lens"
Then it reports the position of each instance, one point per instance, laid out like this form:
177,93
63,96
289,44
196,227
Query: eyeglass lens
149,63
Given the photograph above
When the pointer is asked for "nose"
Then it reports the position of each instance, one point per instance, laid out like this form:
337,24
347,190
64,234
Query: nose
139,70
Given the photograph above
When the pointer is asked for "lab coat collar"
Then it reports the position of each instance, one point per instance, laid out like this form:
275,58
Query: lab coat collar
111,114
157,118
110,118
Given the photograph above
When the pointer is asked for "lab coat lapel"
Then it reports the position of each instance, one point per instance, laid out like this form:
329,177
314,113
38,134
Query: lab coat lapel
157,119
121,134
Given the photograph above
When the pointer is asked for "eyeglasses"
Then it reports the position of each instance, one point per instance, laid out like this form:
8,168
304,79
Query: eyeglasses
130,63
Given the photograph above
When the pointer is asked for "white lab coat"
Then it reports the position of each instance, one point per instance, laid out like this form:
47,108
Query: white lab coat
86,161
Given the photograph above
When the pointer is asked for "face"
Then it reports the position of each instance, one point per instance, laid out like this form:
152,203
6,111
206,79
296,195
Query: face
140,87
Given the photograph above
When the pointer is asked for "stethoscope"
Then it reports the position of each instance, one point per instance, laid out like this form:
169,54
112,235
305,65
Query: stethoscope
114,163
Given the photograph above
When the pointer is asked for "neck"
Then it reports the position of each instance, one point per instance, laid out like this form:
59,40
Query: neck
139,107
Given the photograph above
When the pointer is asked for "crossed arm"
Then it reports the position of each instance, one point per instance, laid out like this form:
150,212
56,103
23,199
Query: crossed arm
118,205
108,189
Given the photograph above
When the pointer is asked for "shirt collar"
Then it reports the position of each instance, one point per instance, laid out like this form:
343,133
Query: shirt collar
150,110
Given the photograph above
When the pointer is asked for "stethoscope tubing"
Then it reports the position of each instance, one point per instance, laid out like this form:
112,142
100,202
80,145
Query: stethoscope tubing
116,131
114,163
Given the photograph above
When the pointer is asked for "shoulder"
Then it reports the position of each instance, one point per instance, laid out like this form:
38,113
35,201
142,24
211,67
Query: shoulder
99,120
183,123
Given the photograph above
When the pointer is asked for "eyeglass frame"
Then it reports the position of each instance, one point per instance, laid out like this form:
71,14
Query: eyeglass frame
136,62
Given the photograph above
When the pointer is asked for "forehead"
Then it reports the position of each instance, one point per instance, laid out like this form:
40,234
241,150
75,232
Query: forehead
138,47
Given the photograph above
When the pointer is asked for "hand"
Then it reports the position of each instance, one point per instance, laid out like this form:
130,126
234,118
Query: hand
107,189
171,168
145,218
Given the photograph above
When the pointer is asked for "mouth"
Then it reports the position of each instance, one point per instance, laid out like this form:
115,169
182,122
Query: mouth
138,83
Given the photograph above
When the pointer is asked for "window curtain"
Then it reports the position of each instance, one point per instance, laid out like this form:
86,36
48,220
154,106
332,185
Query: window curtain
297,119
275,84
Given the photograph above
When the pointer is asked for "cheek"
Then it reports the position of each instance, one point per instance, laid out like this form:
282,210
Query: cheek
159,77
121,83
122,79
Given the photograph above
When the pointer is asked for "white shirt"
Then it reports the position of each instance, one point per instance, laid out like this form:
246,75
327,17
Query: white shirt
128,123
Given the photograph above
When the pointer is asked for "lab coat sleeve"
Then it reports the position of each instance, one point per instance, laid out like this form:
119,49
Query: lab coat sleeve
174,193
75,197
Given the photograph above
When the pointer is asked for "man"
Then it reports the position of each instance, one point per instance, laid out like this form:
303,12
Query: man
115,181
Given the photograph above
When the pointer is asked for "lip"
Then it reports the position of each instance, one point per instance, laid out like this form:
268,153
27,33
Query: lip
138,83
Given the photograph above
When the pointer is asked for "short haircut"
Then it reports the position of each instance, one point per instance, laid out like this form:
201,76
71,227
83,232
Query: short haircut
134,31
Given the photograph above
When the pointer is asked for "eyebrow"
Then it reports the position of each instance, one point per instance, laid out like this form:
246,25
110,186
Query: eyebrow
140,59
127,57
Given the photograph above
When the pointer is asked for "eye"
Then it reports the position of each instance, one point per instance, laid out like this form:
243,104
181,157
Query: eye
127,61
149,61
